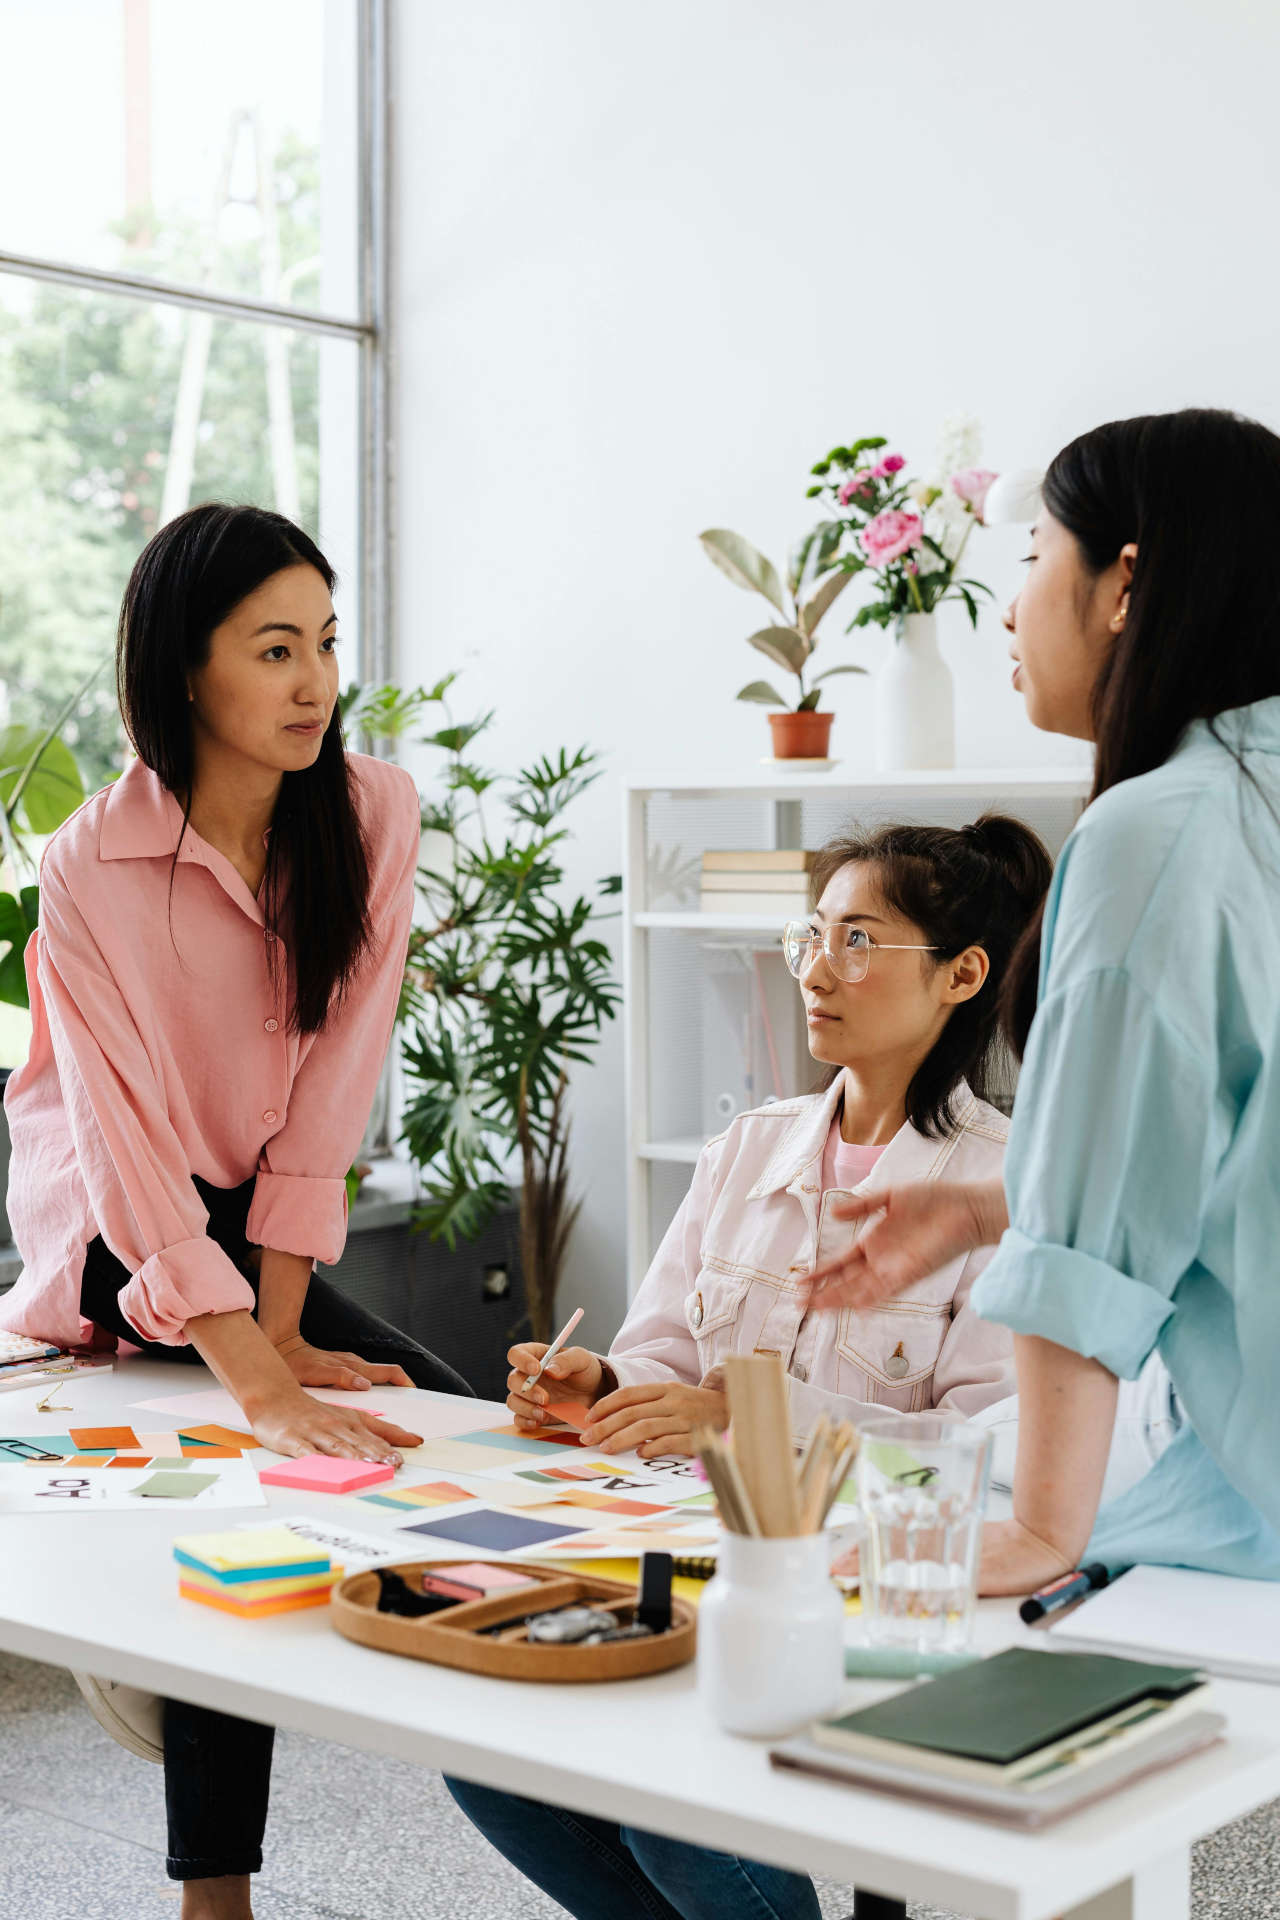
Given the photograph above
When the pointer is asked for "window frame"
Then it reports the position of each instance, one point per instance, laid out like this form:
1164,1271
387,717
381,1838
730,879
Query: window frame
378,653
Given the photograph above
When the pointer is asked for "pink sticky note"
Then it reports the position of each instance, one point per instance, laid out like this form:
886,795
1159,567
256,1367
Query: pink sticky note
570,1413
474,1573
321,1474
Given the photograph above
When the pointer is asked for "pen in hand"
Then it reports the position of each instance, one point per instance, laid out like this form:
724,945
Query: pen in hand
551,1352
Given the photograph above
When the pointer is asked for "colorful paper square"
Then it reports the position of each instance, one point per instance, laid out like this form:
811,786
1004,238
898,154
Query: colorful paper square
96,1439
320,1473
175,1486
493,1532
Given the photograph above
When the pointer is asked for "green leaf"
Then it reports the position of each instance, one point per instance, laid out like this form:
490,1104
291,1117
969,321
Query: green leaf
38,774
830,670
810,702
19,914
785,646
762,694
743,564
824,596
457,739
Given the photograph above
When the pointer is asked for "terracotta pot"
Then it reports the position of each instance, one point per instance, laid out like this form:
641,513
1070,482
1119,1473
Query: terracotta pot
801,736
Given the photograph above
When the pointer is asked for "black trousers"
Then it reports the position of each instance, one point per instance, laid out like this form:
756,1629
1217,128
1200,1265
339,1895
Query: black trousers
217,1769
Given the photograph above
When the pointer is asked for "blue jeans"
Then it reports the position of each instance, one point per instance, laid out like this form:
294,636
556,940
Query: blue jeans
598,1871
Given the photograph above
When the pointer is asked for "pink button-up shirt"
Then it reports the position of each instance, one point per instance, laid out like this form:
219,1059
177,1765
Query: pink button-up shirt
160,1049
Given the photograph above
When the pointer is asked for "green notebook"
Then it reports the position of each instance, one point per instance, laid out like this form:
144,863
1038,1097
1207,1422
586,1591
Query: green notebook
1000,1711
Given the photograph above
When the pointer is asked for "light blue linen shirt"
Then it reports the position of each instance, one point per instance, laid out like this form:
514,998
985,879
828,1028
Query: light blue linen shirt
1143,1169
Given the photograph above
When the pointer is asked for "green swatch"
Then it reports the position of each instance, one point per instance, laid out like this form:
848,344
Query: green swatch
175,1486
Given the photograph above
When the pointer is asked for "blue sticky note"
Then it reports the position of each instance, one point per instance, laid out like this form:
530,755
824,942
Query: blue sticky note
494,1532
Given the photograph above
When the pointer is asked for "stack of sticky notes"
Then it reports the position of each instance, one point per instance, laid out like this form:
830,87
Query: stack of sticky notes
255,1572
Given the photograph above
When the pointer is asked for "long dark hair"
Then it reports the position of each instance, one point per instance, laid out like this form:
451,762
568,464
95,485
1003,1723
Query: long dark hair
973,887
1198,492
185,582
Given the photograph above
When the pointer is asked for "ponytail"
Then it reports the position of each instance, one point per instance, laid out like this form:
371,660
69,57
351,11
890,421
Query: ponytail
978,886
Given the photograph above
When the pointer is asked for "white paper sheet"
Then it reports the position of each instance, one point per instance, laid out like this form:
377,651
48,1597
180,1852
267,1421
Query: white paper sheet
1175,1614
27,1489
409,1407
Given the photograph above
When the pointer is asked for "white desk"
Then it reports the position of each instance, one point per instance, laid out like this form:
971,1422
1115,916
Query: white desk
99,1591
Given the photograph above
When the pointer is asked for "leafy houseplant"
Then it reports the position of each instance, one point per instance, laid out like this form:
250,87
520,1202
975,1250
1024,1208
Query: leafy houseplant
40,787
506,987
788,643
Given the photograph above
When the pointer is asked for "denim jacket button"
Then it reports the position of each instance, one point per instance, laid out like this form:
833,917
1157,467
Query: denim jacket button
695,1313
897,1366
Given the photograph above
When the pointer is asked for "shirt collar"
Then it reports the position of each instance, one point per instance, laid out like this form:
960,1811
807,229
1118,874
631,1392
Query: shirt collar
909,1155
141,818
1251,729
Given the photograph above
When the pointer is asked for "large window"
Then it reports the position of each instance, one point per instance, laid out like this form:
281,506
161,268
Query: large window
190,206
191,304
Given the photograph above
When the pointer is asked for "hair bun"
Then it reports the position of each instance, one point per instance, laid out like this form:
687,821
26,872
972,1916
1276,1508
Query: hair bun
1020,855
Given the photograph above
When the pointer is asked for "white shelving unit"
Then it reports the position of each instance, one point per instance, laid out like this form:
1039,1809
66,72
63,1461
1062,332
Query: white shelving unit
673,1024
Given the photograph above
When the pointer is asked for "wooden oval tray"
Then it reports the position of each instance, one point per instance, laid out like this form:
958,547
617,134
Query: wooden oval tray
452,1638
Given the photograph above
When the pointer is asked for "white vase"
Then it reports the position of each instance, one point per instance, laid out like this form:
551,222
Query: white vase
771,1635
915,704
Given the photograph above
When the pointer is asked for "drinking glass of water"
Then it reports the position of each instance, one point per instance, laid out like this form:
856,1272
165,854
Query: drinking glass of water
922,1486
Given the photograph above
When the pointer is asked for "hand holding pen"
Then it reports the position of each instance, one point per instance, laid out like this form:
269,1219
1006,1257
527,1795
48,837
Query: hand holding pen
541,1375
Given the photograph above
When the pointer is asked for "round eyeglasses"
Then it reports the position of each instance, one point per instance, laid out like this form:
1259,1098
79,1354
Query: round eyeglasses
848,949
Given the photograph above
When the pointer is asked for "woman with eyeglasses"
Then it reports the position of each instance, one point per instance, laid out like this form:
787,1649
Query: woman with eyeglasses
900,967
1141,1208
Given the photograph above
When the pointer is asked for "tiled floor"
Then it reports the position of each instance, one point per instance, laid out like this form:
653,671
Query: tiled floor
350,1838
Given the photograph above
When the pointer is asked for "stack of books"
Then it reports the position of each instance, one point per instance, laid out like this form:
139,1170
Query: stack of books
255,1572
19,1355
773,881
1025,1736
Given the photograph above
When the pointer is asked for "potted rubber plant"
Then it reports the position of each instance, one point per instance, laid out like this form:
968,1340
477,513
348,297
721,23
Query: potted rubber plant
801,731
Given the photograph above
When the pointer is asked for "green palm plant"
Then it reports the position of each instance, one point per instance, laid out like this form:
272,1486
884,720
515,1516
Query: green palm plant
507,986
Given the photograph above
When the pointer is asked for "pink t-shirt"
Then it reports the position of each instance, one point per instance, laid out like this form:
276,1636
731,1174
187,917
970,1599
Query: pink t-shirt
845,1164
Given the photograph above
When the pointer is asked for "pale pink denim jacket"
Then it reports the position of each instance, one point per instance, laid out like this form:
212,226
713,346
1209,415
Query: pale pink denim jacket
160,1049
726,1277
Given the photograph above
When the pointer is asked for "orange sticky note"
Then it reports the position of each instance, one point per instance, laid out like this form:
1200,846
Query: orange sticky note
570,1413
89,1439
199,1453
219,1437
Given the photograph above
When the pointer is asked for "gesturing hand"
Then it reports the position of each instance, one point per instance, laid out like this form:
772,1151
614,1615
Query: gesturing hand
656,1419
316,1367
909,1233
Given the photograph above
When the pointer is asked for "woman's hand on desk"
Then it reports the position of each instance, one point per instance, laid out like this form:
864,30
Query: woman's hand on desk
316,1367
296,1425
1015,1560
909,1233
655,1419
574,1374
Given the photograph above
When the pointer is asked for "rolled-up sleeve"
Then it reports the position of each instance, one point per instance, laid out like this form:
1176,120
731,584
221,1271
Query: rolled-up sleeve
300,1196
1115,1139
133,1164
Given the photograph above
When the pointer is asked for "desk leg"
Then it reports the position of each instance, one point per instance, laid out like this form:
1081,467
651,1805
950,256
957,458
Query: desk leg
875,1906
1161,1890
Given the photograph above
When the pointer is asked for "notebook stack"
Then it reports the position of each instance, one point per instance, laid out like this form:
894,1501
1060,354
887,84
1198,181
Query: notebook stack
773,881
1025,1736
253,1573
19,1355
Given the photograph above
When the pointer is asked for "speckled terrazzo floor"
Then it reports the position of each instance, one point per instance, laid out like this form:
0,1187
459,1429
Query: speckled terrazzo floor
350,1838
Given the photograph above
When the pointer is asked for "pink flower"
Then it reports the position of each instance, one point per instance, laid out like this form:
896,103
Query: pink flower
890,535
973,486
892,463
860,482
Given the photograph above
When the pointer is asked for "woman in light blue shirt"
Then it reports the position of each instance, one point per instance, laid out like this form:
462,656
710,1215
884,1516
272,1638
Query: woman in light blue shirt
1143,1170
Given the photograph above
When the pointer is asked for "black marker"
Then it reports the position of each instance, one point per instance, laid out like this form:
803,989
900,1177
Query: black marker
1061,1592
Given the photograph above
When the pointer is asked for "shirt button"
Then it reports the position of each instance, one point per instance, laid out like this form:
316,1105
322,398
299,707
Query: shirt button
270,1115
271,1025
897,1366
695,1316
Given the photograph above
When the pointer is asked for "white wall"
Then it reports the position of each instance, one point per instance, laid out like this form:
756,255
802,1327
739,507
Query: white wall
652,261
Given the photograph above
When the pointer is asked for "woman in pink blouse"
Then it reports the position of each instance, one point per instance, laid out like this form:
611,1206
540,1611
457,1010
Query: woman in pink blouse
213,988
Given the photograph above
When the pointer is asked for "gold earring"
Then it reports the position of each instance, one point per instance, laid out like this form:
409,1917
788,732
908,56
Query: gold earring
1117,622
